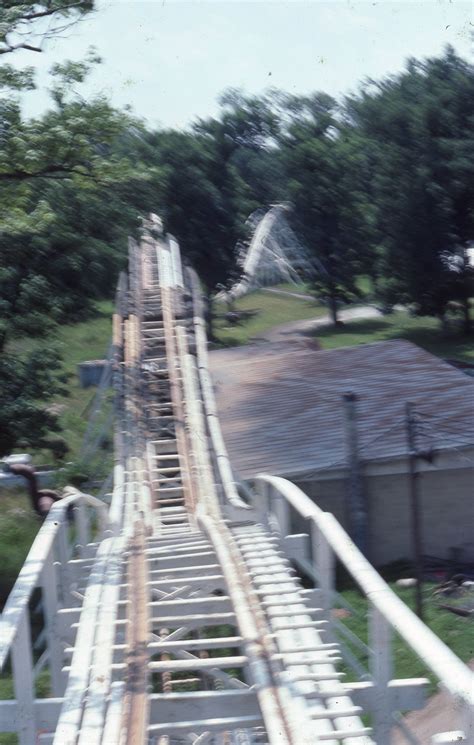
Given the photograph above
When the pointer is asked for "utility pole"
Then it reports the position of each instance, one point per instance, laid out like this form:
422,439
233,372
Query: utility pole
356,499
417,541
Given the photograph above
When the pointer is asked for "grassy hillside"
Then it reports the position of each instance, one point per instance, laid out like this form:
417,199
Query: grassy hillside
78,342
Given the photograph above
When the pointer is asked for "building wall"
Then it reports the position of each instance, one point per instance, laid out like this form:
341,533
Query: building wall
447,508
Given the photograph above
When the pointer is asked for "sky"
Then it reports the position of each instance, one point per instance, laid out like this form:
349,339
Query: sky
170,59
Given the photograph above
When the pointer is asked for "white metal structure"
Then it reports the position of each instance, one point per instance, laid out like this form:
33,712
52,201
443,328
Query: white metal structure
183,620
274,254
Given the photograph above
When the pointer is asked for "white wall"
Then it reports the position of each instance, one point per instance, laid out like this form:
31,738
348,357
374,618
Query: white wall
447,506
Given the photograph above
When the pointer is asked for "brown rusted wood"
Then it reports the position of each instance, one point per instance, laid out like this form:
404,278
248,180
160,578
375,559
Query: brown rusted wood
136,702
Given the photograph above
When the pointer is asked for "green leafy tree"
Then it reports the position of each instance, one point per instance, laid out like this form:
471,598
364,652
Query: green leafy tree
204,202
65,211
418,127
331,212
27,383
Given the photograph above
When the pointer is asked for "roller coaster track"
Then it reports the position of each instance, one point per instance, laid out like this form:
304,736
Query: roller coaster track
274,254
178,615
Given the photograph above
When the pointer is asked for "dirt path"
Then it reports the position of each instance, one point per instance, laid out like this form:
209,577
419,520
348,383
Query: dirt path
297,330
439,715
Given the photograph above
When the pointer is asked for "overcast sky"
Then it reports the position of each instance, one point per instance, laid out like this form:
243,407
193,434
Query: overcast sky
171,59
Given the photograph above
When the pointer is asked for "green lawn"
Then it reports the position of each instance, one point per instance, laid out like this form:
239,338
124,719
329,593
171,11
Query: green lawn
302,288
423,331
363,283
18,528
78,342
272,310
455,631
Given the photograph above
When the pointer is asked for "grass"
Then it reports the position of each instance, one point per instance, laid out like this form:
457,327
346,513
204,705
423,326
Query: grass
455,631
18,528
423,331
302,288
272,310
78,342
18,524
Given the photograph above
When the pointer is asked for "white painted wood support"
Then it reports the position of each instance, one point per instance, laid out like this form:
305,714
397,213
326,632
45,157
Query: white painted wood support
296,547
444,738
23,679
467,722
455,677
62,544
324,562
262,502
380,643
281,510
81,519
50,611
103,519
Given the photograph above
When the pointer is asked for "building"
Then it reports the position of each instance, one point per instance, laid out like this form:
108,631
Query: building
282,412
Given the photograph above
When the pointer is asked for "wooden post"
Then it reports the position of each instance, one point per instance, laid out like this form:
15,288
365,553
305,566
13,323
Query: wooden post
23,680
281,510
262,501
417,541
63,558
81,519
323,559
356,502
50,609
380,637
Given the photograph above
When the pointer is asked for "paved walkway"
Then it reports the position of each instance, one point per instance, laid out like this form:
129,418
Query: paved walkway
297,330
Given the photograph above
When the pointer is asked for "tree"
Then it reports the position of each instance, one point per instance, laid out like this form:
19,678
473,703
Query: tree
66,206
28,25
418,126
246,134
63,228
204,201
331,213
27,382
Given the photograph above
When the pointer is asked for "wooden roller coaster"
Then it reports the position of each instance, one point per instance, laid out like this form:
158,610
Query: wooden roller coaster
178,615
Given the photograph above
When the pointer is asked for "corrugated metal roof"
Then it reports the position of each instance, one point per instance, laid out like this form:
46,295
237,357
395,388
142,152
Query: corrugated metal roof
281,406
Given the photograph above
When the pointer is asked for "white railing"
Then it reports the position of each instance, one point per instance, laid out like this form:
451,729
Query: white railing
218,449
62,545
323,542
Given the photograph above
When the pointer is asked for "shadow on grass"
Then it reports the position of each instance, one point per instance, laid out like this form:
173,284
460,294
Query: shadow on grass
370,326
422,331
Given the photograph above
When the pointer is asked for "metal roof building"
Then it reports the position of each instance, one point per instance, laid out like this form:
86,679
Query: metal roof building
281,408
282,412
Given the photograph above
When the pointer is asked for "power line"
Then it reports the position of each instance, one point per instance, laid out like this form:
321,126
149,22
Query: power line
448,429
451,447
343,460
